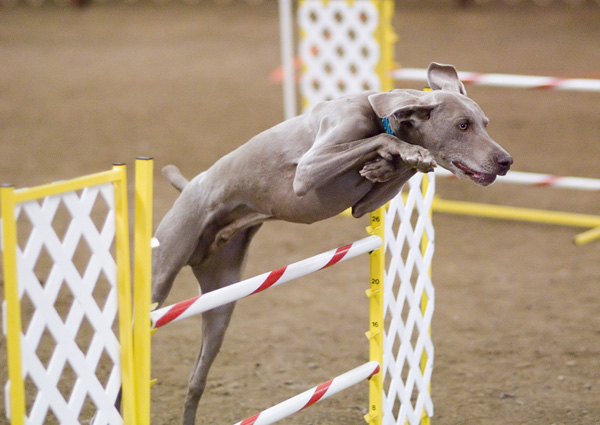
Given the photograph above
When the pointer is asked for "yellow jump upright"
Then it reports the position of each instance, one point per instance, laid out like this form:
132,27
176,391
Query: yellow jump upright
61,307
376,322
142,277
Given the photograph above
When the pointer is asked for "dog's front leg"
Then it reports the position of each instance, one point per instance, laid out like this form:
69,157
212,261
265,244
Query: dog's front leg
412,155
330,157
380,170
390,171
381,193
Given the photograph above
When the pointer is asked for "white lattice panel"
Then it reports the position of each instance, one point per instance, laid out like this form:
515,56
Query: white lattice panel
338,49
407,340
67,279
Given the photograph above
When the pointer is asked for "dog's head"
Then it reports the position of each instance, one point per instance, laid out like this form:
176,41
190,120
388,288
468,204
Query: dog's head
447,123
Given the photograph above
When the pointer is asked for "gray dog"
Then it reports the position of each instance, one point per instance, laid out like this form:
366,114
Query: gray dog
310,168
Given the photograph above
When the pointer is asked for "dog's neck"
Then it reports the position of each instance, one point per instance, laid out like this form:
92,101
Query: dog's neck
409,135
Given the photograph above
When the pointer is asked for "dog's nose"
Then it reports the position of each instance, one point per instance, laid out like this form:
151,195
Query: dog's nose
504,163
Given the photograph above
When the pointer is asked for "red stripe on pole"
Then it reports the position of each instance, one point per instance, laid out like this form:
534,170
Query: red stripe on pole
549,181
375,372
319,393
472,78
554,82
175,311
339,254
273,277
251,421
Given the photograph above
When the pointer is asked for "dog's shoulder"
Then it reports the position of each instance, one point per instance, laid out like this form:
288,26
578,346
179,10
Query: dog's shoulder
353,108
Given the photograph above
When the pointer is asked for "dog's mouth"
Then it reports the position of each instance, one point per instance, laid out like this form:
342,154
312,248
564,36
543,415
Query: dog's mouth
482,179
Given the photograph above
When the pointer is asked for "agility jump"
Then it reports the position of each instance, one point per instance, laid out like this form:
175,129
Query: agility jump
134,381
136,400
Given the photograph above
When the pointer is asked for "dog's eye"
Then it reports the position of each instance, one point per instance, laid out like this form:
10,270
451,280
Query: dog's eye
463,126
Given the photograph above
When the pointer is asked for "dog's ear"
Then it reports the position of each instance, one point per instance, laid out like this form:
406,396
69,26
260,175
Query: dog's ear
444,77
402,105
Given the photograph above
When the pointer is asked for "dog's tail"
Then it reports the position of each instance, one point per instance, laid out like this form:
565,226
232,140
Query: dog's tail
172,173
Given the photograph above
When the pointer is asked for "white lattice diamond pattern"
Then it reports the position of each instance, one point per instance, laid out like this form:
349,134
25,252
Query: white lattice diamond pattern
67,378
338,49
406,338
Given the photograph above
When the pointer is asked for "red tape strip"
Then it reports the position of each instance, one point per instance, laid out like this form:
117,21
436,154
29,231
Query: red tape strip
273,277
318,394
175,311
337,257
251,421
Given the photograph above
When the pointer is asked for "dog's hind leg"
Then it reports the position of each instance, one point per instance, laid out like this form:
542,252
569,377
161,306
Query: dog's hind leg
179,236
219,270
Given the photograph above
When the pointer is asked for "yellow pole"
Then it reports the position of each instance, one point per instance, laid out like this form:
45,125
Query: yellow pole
376,324
588,236
515,213
425,420
142,298
13,308
386,39
124,293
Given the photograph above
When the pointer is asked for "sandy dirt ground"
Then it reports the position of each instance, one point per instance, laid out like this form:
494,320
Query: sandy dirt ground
517,322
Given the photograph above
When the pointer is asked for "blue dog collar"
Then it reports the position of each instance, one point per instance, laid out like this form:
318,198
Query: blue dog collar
388,128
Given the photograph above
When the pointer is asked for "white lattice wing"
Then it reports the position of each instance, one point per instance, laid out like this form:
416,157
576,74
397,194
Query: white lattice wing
69,307
338,49
408,305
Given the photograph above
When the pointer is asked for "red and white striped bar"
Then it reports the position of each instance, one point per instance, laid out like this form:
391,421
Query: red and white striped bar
259,283
310,397
507,80
542,180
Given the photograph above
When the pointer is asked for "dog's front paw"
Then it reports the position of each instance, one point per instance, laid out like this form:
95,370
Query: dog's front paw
418,158
378,171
